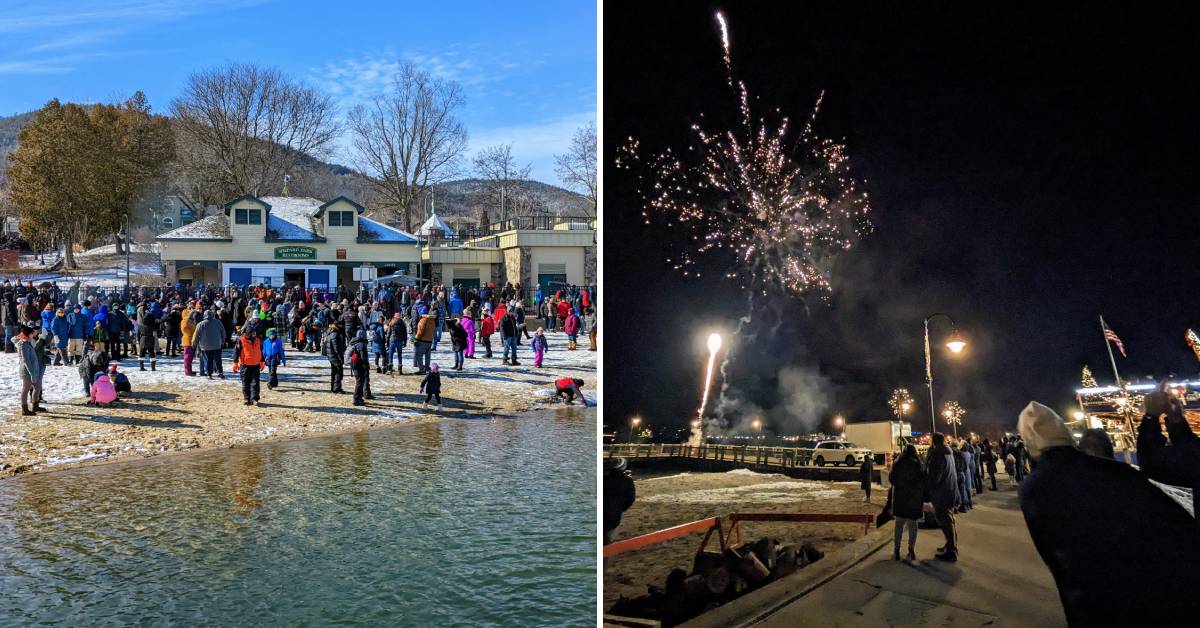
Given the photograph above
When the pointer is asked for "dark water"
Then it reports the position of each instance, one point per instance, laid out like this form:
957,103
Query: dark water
458,523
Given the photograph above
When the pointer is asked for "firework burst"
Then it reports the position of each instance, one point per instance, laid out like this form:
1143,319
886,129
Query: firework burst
901,402
784,204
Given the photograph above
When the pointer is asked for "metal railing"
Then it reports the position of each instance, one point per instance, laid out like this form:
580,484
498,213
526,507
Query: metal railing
749,454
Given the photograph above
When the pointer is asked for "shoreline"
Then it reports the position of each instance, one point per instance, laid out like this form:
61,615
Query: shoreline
173,453
170,413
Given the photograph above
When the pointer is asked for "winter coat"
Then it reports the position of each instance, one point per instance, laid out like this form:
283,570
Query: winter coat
941,478
572,325
1088,516
376,337
94,362
866,473
432,384
60,328
28,364
210,333
487,327
508,326
397,332
171,324
1177,463
357,356
458,337
103,390
333,345
563,309
187,328
539,343
251,351
426,328
147,322
47,318
79,323
908,488
272,351
468,325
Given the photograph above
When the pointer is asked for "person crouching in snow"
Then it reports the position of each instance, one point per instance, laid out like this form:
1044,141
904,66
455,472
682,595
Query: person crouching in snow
95,362
432,387
119,381
539,346
103,392
569,387
273,357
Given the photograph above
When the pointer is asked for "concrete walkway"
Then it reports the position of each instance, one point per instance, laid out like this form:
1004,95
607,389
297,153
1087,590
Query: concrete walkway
999,580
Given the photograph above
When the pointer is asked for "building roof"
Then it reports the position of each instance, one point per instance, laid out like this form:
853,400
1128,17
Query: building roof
293,218
435,223
372,231
209,228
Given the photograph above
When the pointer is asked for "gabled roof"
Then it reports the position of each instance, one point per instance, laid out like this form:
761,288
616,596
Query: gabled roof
435,223
321,209
214,228
292,219
246,197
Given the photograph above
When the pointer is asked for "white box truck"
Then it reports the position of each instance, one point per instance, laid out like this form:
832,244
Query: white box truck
881,437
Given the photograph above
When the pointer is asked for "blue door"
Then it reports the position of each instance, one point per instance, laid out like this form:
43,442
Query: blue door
318,279
239,276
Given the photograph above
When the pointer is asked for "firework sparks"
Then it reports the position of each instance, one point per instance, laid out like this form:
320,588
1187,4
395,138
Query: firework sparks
714,345
783,204
901,402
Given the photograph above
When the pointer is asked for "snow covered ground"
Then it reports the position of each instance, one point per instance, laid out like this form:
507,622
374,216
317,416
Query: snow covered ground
100,267
171,411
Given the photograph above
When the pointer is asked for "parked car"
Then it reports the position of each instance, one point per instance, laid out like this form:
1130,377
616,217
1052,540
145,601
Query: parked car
837,452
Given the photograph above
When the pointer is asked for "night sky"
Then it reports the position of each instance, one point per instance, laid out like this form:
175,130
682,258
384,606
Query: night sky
1028,171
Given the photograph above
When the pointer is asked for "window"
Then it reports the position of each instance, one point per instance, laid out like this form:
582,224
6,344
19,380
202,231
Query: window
247,216
341,219
168,222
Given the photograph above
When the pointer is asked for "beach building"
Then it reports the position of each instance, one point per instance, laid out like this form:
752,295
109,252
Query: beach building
278,240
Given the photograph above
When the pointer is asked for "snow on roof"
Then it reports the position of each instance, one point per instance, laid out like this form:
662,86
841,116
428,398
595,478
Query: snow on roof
305,204
291,218
371,231
210,228
435,223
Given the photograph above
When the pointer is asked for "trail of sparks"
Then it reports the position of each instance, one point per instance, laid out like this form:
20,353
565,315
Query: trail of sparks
783,206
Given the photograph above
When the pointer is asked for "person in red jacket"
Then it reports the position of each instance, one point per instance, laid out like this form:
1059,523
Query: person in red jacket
487,327
571,326
569,387
251,359
564,308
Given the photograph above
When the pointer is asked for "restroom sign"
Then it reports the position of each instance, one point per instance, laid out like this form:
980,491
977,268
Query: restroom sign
295,252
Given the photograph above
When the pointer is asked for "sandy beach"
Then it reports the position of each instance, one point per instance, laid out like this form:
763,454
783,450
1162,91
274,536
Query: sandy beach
171,412
670,500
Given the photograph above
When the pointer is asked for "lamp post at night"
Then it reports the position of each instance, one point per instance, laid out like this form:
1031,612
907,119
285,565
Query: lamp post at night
955,344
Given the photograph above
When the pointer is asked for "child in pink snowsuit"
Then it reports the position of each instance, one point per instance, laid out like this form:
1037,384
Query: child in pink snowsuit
468,325
539,346
103,391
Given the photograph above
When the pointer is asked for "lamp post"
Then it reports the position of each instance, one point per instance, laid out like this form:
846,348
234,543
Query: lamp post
955,344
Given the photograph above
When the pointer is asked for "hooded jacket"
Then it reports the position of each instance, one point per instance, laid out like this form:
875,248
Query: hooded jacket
210,333
187,328
28,364
572,325
357,355
941,479
908,487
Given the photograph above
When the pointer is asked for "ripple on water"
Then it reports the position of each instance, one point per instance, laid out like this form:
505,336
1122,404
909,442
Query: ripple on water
461,522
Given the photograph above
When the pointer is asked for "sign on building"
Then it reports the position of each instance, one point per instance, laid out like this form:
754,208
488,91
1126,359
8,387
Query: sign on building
295,252
366,273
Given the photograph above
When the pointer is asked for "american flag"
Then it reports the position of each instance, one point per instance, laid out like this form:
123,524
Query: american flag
1112,337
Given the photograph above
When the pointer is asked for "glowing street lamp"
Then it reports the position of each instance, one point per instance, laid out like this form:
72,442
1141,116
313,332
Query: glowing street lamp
840,422
955,344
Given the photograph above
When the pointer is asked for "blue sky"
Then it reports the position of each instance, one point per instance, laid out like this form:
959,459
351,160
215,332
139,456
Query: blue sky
528,69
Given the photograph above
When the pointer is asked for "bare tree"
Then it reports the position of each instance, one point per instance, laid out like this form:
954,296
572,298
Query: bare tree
409,139
577,168
505,182
244,128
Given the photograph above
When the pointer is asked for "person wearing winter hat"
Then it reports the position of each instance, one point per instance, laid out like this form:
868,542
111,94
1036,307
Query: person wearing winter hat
1086,514
119,380
358,358
941,478
539,346
432,386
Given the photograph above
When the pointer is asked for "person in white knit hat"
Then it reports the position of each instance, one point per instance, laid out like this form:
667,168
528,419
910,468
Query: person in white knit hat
1120,550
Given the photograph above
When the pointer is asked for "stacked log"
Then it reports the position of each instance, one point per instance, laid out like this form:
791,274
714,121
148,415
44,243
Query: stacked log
717,578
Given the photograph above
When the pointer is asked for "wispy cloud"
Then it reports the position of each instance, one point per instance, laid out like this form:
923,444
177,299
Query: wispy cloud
61,64
357,79
535,143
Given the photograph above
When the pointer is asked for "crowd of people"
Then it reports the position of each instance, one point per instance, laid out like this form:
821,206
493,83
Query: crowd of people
360,331
952,472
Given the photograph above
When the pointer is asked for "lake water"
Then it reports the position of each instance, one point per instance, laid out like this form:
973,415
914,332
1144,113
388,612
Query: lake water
465,522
